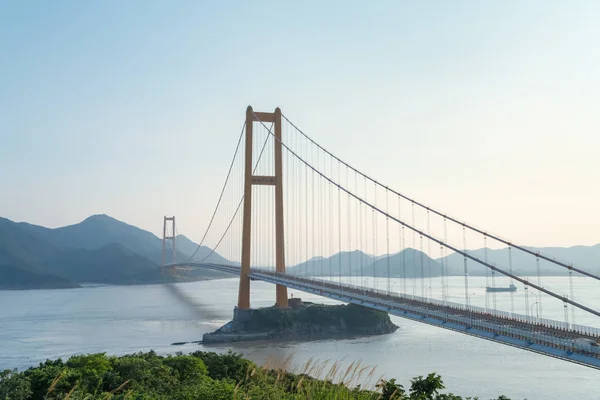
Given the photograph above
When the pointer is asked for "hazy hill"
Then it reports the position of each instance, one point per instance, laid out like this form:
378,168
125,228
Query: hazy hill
356,263
350,262
411,258
100,249
113,264
19,246
12,277
100,230
95,232
584,257
19,254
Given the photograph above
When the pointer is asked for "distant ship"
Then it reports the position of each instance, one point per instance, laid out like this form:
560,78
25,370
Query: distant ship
511,288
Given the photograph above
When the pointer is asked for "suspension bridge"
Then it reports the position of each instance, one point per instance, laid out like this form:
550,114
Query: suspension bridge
288,201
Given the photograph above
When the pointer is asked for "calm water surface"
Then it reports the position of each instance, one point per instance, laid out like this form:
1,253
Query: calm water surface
40,324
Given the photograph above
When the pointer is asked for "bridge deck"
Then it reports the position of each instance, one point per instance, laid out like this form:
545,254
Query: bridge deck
551,338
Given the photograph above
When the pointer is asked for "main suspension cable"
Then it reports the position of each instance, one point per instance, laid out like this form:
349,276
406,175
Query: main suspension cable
565,299
239,204
221,195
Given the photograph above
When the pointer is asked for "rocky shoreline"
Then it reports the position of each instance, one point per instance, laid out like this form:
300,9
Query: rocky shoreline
302,321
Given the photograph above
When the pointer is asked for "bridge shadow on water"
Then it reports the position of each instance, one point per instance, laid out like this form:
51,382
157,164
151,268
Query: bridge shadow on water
202,311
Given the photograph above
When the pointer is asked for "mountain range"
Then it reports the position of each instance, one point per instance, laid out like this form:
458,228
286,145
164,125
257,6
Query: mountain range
584,257
104,250
357,263
99,249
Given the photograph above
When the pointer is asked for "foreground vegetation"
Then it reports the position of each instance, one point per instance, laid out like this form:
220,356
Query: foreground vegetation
203,375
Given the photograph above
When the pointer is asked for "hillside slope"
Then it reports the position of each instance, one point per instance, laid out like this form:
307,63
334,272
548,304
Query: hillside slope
584,257
100,249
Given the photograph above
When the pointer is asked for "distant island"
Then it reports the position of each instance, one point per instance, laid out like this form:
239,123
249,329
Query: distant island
302,321
104,250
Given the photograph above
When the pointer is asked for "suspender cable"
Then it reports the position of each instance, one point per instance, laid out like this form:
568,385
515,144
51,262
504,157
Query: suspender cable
349,229
414,253
323,223
429,255
314,210
494,286
297,196
539,282
402,284
404,288
290,179
512,293
467,302
487,283
470,227
321,219
423,294
289,225
526,288
330,212
339,192
443,261
572,296
445,264
306,217
360,235
374,238
364,238
387,240
295,193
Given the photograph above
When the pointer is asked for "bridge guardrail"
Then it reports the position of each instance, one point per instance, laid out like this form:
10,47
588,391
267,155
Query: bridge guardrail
581,329
530,334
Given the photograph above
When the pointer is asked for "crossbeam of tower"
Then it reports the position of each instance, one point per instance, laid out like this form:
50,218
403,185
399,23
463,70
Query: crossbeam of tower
250,180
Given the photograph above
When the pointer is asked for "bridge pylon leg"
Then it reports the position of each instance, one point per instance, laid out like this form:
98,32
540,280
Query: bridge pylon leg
244,288
249,181
281,291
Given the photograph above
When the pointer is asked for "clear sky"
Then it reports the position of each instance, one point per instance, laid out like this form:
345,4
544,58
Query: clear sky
487,110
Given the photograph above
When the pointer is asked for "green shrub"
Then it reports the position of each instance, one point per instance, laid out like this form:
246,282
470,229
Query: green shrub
201,375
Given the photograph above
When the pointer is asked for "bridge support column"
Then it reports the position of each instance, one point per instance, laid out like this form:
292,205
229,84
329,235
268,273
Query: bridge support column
249,181
244,289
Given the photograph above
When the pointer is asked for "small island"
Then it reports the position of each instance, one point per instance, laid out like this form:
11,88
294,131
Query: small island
302,321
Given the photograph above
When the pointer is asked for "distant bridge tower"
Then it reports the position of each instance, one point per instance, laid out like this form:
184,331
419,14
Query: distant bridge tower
168,237
249,181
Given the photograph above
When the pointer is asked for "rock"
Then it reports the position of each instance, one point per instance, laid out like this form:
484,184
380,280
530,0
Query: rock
303,321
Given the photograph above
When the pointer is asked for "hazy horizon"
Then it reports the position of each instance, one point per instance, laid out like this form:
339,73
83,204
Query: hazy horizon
486,111
408,247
